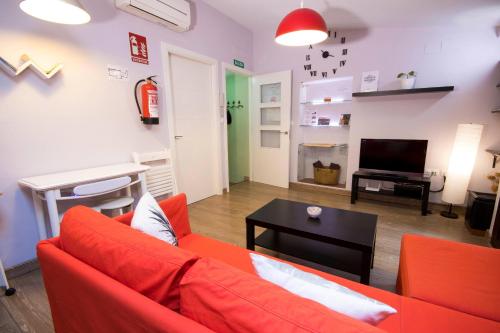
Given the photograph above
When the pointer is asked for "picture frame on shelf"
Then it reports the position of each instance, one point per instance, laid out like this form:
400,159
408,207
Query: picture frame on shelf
369,81
323,121
345,119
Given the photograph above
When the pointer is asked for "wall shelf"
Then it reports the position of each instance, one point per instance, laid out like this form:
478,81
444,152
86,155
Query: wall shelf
323,145
404,91
319,102
29,63
335,125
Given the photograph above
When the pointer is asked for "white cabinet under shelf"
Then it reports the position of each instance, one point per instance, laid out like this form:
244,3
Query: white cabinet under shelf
326,153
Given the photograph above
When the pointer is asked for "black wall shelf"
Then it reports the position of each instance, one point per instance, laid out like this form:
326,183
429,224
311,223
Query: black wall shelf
404,91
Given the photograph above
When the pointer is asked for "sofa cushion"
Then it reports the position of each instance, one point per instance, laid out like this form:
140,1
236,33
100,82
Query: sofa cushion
175,208
419,316
150,219
312,286
84,300
239,257
226,299
455,275
146,264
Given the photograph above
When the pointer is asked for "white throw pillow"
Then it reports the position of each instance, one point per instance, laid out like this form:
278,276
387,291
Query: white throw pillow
318,289
150,219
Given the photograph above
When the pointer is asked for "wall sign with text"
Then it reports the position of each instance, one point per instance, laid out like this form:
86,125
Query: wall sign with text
138,48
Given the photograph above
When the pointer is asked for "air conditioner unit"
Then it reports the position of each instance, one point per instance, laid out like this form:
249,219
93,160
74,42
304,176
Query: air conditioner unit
175,14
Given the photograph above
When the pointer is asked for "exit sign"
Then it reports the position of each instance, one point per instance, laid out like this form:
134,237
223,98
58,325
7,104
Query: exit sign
239,63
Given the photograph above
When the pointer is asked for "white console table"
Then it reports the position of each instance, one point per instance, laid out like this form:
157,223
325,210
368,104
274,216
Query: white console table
47,188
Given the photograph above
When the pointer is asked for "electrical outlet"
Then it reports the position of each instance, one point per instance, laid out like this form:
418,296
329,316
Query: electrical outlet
435,172
432,172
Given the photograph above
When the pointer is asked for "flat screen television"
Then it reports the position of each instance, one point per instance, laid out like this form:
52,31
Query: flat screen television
393,156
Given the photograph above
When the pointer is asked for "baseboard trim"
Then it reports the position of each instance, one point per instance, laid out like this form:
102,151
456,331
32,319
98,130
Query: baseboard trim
22,269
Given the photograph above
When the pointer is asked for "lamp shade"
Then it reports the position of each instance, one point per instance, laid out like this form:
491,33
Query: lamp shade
462,159
56,11
303,26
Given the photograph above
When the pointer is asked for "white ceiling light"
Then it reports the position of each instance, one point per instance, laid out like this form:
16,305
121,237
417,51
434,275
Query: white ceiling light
57,11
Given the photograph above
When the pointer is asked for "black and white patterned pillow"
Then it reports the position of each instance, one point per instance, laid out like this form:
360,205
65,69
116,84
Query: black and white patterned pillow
150,219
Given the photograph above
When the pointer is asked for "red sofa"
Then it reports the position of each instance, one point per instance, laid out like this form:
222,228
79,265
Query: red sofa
103,276
454,275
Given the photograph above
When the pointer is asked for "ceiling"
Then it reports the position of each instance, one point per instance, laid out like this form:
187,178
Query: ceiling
366,14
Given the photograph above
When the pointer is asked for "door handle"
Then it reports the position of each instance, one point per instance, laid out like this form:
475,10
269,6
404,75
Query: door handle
178,137
284,132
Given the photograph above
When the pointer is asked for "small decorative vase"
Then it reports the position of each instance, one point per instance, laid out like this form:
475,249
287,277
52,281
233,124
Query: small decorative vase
408,83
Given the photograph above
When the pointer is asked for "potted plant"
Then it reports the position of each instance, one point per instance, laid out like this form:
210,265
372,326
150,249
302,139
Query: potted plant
407,79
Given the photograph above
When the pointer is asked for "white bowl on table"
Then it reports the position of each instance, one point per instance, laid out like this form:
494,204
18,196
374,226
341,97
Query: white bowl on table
314,212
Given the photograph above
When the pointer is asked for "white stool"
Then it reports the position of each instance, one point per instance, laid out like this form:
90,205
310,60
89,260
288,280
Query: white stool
8,290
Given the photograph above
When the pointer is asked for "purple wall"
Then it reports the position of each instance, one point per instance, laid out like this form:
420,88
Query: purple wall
80,118
465,58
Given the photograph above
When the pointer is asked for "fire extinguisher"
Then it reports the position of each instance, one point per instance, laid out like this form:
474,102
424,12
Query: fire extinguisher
149,100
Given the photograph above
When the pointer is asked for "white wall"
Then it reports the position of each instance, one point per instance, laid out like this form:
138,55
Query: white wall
79,118
465,58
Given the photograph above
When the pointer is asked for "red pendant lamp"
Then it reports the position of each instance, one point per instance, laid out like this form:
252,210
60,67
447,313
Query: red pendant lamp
300,27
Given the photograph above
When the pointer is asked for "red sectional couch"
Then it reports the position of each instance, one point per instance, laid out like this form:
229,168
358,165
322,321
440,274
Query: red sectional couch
458,276
103,276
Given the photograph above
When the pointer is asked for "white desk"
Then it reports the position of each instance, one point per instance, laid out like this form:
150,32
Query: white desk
48,188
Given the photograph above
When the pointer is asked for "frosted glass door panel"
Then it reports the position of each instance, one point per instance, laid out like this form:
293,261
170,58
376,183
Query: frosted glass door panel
270,116
270,128
270,93
270,139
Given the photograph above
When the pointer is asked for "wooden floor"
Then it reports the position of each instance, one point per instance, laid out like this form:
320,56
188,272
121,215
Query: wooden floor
222,217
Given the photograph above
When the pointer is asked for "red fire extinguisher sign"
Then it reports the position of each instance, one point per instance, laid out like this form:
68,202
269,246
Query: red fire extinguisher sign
138,48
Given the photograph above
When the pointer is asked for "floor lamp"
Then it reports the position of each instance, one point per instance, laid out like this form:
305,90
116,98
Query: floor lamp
462,159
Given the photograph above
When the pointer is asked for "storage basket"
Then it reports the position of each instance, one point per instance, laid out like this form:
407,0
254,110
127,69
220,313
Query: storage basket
326,176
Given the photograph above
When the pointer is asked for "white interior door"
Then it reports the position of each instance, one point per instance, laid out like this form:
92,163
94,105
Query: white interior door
270,120
194,127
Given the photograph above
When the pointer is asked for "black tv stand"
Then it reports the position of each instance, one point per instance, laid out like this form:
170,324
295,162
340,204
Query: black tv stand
389,175
414,180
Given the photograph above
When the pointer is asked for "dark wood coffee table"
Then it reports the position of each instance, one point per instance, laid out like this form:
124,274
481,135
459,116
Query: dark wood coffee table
340,239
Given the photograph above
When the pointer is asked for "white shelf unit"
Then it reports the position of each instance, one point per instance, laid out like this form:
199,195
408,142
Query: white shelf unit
324,126
326,153
320,101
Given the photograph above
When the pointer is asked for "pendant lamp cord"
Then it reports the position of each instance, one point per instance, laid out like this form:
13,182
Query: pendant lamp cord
301,3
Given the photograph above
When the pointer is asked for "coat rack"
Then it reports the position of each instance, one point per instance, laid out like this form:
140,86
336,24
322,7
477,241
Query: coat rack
234,105
29,63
